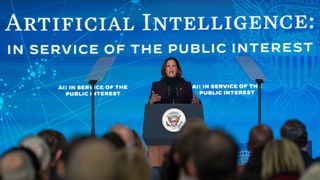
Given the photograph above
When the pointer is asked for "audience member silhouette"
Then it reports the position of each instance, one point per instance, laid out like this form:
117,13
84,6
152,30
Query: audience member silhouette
40,148
188,141
16,164
66,153
216,157
56,142
296,131
125,133
312,173
198,153
114,139
281,160
258,137
131,164
91,159
175,164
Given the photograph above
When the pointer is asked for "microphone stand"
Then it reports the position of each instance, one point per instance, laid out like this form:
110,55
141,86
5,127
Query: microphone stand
259,82
92,82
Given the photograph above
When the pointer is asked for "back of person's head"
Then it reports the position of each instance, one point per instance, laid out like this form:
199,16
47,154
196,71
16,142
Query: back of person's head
216,157
34,159
193,125
312,173
91,159
66,153
296,131
40,148
114,139
72,145
131,164
281,156
188,140
125,133
56,142
259,135
17,165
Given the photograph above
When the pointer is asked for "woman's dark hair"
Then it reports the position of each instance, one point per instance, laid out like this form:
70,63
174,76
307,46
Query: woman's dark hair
114,139
164,65
55,140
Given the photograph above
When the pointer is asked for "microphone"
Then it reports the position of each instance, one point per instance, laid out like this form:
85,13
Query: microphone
177,91
172,93
169,92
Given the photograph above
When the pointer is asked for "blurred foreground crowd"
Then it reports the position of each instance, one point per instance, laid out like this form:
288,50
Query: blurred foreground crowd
198,153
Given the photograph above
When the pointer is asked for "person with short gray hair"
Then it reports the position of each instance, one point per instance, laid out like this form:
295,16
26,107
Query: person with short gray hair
17,165
91,159
40,148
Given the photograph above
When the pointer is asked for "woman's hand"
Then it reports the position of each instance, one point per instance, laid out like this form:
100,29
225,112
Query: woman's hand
195,99
154,98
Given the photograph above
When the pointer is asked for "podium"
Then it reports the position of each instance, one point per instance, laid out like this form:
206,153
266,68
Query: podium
162,123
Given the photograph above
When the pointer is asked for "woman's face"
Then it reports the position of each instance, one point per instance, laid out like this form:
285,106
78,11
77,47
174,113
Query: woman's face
171,69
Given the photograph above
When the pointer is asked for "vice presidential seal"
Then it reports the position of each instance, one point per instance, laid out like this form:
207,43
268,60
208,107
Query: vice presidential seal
173,120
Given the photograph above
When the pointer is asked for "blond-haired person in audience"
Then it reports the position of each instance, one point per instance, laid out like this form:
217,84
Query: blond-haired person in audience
312,173
131,164
281,160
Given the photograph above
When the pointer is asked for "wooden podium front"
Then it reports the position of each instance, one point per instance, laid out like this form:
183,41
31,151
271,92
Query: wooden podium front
156,154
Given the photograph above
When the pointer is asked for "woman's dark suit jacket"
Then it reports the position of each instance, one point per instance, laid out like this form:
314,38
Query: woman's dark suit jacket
183,92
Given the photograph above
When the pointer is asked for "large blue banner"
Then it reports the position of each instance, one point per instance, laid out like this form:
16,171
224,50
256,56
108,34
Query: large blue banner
48,49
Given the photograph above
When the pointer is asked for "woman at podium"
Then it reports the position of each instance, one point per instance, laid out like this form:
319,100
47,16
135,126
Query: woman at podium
172,88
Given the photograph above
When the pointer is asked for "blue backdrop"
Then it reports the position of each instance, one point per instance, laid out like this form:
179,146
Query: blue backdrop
33,88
